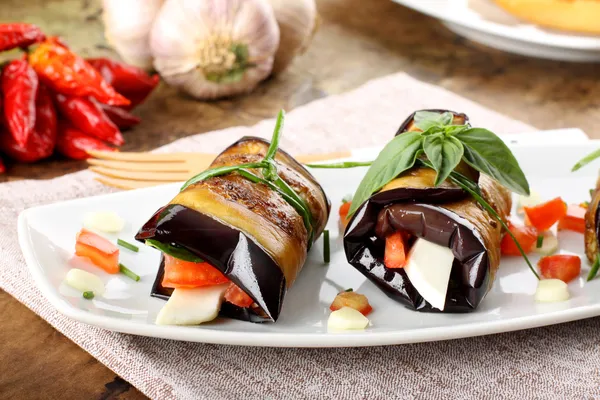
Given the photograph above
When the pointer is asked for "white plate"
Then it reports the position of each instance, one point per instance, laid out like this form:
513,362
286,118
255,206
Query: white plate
484,22
47,235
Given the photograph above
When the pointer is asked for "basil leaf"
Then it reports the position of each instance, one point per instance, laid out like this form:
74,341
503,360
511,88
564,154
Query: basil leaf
445,153
209,173
424,120
586,160
174,251
396,157
487,153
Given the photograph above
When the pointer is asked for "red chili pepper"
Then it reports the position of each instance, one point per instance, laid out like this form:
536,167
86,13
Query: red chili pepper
19,35
132,82
73,143
120,117
87,116
69,74
42,140
19,87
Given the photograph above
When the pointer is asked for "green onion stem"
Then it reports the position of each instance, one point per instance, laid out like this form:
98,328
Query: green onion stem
345,164
594,270
349,290
129,273
540,242
88,295
326,249
127,245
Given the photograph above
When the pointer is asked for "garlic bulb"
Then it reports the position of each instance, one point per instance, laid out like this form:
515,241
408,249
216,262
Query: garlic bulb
297,21
214,48
127,25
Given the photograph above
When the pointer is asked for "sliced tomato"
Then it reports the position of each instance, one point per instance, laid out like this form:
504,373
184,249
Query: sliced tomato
344,209
395,250
543,216
565,267
525,235
99,250
237,296
574,220
353,300
186,274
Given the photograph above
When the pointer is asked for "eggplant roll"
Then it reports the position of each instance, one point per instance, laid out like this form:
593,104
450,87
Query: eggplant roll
592,226
244,229
444,228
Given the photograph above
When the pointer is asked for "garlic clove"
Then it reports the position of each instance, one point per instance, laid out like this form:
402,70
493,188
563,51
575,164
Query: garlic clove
214,48
298,22
127,26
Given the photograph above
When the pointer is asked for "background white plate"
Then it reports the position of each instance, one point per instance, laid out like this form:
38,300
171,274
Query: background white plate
484,22
47,235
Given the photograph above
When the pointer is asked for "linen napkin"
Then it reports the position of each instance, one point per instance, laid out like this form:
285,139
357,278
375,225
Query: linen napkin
558,361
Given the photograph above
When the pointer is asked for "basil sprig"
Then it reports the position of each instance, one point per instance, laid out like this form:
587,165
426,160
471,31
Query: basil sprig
270,177
445,146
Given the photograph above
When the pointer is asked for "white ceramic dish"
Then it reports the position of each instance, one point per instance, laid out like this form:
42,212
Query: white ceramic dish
47,235
484,22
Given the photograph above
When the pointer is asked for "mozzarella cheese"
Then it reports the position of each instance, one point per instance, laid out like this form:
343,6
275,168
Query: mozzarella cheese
84,281
551,290
532,200
104,221
192,306
549,245
428,269
346,318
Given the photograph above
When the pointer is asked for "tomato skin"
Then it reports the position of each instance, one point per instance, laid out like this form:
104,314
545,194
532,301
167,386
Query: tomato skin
344,209
395,250
525,235
353,300
186,274
237,296
544,215
565,267
574,220
99,250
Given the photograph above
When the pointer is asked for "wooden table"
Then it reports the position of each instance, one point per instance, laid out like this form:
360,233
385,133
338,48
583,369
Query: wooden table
358,41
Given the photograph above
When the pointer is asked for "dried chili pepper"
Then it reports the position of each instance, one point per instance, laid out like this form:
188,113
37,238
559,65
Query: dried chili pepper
19,87
120,117
87,116
67,73
73,143
132,82
19,35
42,140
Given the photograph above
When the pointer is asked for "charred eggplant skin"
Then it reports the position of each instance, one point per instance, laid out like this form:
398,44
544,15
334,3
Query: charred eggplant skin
445,215
245,230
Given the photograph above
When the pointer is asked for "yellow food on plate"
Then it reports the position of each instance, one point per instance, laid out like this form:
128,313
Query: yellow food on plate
569,15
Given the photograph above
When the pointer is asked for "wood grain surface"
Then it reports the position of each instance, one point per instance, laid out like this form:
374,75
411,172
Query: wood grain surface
358,40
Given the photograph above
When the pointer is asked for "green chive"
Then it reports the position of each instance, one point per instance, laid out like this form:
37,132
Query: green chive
344,164
128,246
326,250
129,273
88,295
349,290
540,241
594,269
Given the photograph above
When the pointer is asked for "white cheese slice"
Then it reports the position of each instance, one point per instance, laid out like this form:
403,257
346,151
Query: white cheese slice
549,244
428,269
551,290
104,221
532,200
192,306
346,318
84,281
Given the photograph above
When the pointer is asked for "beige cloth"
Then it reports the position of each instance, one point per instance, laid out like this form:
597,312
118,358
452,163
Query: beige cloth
554,362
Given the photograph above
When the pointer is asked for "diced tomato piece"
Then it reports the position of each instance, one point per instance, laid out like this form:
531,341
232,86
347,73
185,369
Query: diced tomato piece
99,250
395,250
525,235
344,209
565,267
186,274
237,296
544,215
574,220
353,300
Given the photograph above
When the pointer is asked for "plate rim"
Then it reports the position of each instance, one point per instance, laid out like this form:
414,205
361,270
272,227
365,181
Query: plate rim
287,339
560,40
